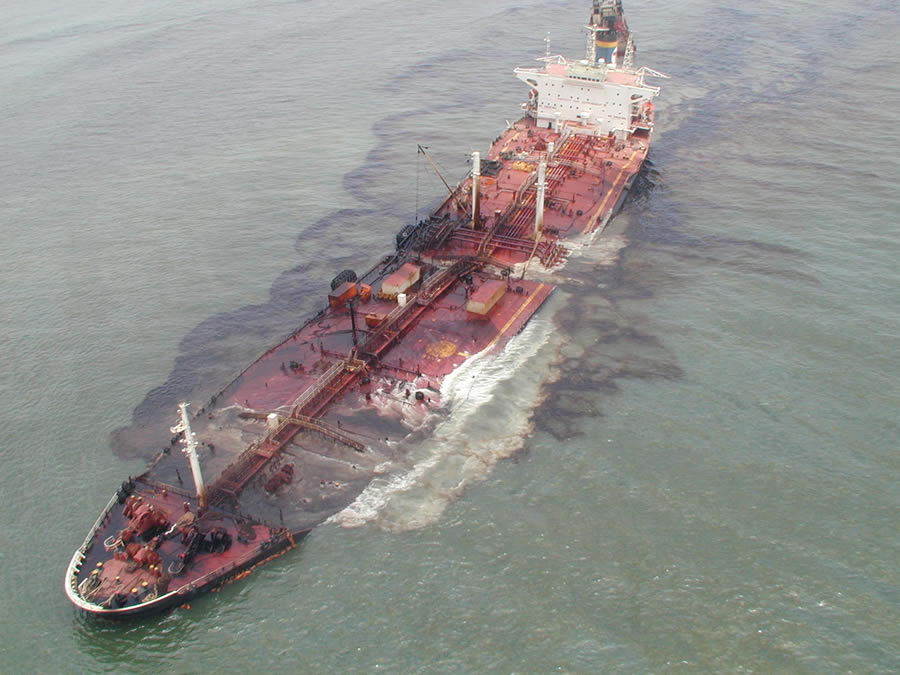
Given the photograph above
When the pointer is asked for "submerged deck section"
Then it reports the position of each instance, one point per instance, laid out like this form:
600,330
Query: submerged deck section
418,338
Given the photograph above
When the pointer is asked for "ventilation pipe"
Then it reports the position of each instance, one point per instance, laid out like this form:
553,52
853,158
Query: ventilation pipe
539,205
476,186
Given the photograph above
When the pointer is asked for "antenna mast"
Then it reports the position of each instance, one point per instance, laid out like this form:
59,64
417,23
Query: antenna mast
446,184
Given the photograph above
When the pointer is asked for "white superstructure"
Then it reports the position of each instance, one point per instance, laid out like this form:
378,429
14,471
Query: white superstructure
594,95
598,97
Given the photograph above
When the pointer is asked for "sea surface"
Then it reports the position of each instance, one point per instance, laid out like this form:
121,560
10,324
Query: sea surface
688,462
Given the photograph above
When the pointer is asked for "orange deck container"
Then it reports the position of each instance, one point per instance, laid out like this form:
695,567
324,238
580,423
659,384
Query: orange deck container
340,295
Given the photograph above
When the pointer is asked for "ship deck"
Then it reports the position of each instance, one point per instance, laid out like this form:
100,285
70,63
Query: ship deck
587,177
143,550
300,433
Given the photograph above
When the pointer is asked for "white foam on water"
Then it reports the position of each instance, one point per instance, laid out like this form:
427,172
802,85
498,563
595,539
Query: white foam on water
601,247
394,399
465,446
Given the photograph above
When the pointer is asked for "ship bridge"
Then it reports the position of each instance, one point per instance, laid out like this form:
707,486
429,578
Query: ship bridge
600,94
598,98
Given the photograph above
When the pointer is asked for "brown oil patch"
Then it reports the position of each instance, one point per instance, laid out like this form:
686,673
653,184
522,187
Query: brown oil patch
441,349
607,341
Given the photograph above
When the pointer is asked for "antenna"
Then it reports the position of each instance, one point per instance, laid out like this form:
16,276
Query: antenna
547,43
418,168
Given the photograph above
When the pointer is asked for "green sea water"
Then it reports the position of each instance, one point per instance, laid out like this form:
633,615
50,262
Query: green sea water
689,460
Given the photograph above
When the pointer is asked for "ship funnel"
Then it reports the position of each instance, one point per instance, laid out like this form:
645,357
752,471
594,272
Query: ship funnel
539,202
476,186
606,27
606,42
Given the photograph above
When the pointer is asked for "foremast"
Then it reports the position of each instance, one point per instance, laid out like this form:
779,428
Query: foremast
190,449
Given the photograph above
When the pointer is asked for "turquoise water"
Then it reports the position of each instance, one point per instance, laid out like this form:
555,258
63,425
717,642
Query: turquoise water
691,462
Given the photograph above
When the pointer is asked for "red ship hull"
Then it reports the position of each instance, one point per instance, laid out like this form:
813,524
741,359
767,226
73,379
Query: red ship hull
300,433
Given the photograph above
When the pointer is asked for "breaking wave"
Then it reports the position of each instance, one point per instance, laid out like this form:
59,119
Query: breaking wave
465,446
605,252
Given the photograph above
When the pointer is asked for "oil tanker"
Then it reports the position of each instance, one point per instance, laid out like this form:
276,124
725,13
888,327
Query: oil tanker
299,434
